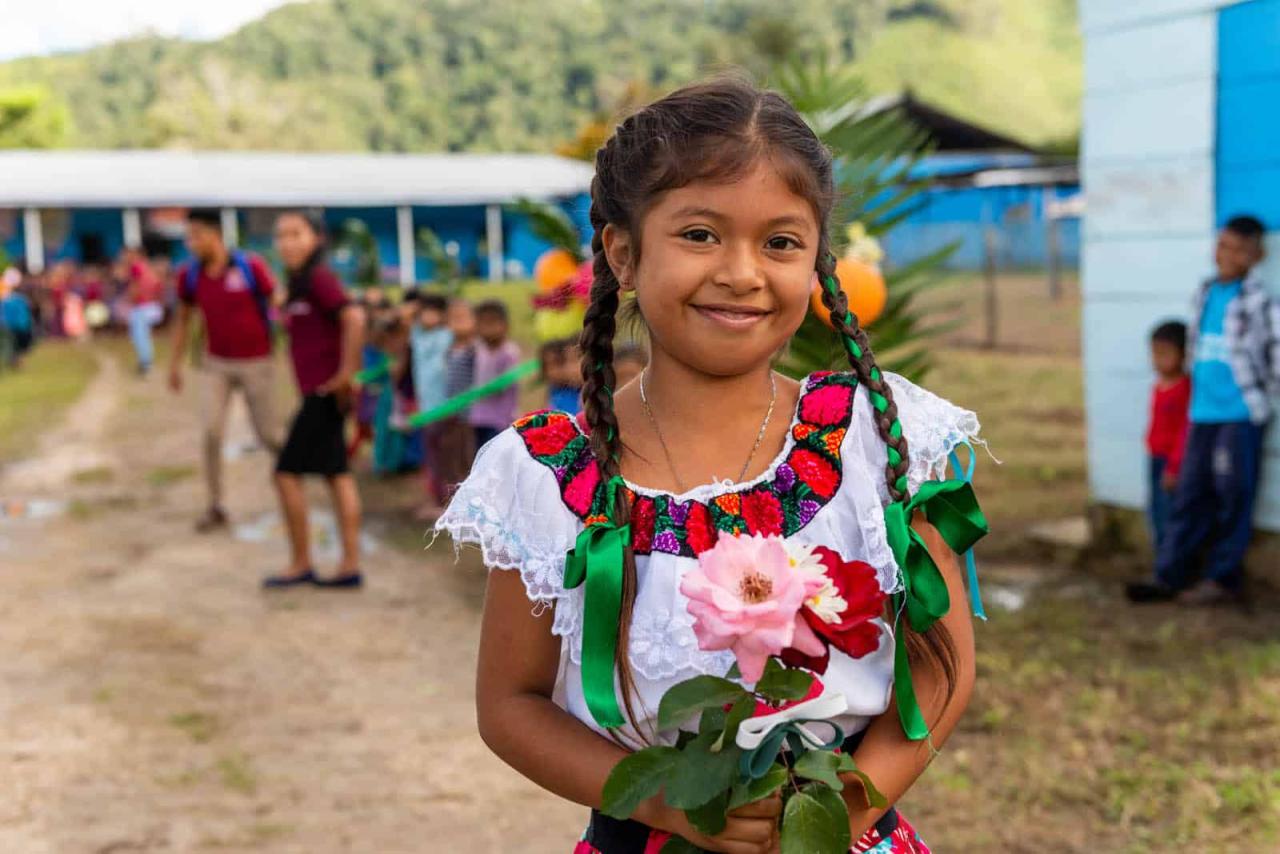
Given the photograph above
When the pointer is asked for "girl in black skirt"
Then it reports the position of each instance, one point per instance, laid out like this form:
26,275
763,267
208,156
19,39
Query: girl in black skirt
326,333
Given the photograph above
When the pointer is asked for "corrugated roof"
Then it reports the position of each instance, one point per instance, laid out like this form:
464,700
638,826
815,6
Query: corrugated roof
272,179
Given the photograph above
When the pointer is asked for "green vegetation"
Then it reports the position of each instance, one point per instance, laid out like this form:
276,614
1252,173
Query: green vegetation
424,75
34,398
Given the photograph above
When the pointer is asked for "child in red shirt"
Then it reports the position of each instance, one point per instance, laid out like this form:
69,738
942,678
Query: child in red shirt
1167,435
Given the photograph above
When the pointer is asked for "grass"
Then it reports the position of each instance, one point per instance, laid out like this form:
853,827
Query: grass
200,727
237,774
167,475
35,397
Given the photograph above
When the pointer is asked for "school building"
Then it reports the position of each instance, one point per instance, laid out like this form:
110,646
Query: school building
1180,133
86,205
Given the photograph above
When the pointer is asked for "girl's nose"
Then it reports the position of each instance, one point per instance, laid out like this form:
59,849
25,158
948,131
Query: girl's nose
741,271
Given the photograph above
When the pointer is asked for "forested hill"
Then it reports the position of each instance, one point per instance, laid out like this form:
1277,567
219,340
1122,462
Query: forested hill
429,75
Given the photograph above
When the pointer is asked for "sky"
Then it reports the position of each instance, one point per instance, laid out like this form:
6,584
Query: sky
48,26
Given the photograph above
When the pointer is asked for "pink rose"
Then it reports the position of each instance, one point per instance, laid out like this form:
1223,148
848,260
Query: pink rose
744,596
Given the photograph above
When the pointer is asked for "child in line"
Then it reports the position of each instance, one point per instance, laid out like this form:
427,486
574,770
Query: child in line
1234,350
562,375
712,207
495,355
451,444
429,340
1167,434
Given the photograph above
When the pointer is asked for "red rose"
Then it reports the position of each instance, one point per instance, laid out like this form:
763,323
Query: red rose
814,471
762,511
551,438
852,632
643,518
699,532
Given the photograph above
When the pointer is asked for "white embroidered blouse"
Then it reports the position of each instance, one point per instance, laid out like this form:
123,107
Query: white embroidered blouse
532,488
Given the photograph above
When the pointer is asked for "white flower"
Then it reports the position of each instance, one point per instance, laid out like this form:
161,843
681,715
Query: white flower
826,604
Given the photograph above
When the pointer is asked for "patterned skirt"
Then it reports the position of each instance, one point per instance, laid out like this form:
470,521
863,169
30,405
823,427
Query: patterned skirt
893,834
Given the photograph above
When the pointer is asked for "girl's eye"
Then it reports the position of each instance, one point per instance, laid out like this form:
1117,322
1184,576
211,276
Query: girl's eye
782,243
699,235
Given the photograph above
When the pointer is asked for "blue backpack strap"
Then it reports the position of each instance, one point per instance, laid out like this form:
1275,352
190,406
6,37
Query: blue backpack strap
241,262
190,278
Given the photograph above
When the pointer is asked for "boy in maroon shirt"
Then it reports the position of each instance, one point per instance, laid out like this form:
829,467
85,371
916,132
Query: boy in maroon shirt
1167,435
233,292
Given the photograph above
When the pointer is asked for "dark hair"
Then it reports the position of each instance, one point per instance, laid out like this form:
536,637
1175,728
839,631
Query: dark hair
210,217
1249,227
1171,332
493,308
716,131
435,302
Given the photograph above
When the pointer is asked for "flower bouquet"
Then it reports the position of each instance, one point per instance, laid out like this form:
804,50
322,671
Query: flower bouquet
779,607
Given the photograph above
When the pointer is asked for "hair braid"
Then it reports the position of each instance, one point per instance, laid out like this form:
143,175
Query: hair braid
935,644
599,326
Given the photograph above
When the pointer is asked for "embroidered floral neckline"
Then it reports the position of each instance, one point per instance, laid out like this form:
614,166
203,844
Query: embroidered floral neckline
803,478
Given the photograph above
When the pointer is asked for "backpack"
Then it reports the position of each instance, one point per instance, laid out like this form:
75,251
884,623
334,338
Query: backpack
240,261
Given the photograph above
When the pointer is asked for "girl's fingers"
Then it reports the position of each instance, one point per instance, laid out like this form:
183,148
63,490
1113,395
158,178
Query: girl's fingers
770,807
754,831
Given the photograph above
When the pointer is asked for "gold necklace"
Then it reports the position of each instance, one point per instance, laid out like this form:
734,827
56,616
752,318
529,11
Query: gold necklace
764,427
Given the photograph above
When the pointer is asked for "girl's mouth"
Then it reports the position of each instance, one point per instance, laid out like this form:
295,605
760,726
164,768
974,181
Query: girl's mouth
734,317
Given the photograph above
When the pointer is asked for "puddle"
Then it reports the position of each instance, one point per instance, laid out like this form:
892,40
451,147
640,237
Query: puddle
325,542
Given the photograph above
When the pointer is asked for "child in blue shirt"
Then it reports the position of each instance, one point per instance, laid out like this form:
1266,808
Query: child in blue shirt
1233,347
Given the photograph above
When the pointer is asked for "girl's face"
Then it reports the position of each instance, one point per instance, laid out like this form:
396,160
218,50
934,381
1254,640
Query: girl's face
723,271
295,241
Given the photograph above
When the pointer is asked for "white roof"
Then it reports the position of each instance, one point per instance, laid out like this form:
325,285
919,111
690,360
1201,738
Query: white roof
277,179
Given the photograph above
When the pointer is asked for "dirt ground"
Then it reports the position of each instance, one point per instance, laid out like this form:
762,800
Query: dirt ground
153,699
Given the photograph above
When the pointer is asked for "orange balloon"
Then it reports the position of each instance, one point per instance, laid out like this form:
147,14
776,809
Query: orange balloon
863,284
554,268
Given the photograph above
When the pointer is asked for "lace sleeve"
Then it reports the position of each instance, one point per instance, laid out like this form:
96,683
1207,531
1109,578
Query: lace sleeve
510,507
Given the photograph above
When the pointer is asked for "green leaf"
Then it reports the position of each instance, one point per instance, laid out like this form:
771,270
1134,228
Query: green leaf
809,825
762,787
700,775
820,765
685,699
710,818
712,721
874,796
740,712
780,683
838,811
636,778
683,738
735,672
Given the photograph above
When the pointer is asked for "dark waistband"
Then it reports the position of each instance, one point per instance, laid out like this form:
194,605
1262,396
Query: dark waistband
611,836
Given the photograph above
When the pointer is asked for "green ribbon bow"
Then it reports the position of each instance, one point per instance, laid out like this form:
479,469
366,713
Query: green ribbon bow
951,507
596,560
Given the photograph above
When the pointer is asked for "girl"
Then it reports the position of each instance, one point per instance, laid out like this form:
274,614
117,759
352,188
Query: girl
710,208
325,338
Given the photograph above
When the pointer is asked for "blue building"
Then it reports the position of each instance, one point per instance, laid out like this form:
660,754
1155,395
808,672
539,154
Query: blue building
87,205
1180,133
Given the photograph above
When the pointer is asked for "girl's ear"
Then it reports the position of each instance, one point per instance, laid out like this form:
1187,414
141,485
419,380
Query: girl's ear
619,252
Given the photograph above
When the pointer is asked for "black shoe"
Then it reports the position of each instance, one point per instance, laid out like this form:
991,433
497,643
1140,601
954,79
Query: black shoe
347,581
1146,592
277,582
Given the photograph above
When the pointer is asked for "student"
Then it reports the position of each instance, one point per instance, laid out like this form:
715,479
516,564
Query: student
1234,350
16,318
326,336
233,292
495,355
451,441
711,206
145,309
1167,433
429,341
562,374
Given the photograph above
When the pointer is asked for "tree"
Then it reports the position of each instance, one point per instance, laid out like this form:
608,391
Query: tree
30,117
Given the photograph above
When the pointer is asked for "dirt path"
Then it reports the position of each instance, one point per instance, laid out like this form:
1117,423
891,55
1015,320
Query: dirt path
153,699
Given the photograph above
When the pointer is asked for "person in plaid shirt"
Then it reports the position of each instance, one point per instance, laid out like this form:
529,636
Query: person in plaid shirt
1233,346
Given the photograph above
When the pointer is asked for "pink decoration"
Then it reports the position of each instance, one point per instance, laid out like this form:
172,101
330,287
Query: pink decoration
744,596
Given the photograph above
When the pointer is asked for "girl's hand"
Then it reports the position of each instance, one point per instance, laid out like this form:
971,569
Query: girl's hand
751,829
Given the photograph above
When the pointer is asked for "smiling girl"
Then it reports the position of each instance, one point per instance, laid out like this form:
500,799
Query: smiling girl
710,209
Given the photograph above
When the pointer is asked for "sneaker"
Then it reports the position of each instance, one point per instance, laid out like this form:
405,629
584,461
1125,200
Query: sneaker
1206,593
1146,592
276,582
214,519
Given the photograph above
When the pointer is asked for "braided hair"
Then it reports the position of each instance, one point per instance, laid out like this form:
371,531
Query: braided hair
716,131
